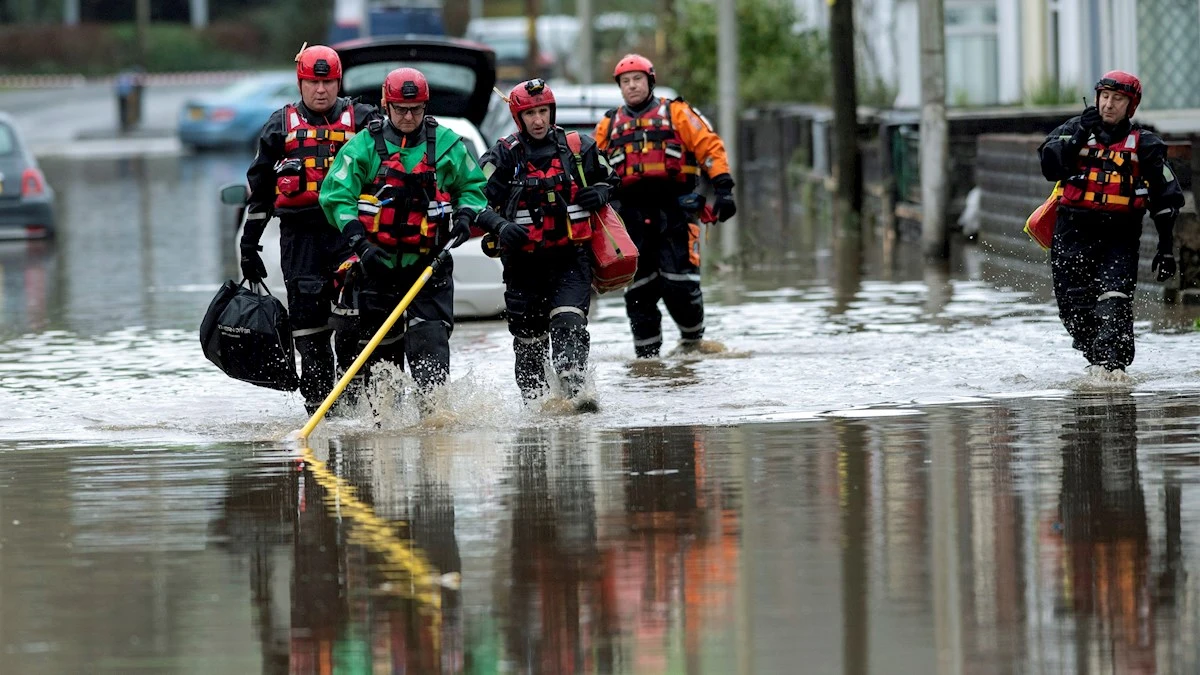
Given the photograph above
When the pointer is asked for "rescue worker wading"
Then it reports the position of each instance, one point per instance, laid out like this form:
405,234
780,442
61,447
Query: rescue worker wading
543,184
658,148
295,149
1113,171
400,193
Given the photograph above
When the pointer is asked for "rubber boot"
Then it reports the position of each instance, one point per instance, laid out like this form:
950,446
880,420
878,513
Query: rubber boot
530,365
316,368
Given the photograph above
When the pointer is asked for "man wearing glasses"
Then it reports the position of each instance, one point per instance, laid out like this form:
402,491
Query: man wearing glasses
399,194
295,150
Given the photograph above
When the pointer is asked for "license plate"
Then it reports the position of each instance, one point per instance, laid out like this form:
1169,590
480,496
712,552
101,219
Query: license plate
196,113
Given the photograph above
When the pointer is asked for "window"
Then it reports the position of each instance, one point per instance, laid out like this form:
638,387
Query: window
8,144
442,77
972,52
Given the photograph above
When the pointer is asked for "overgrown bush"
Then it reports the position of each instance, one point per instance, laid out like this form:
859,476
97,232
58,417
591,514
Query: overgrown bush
776,64
99,49
1049,92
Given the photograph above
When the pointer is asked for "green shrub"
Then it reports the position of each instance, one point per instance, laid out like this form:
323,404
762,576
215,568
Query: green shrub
1049,92
775,63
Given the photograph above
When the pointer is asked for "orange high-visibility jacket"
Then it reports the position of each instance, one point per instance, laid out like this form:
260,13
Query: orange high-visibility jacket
693,129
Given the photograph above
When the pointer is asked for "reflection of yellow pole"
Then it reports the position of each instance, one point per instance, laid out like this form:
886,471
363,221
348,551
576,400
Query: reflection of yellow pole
411,575
375,340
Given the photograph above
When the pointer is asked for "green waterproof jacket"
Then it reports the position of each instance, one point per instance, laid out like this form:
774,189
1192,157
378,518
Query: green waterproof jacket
357,162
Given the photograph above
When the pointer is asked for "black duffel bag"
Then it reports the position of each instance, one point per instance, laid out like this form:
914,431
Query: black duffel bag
246,334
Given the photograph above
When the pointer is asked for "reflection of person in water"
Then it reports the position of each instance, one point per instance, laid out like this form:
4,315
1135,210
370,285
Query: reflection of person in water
256,522
1106,534
677,550
555,581
350,603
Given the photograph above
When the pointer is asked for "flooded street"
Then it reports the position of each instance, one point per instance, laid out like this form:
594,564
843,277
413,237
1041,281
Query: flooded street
895,469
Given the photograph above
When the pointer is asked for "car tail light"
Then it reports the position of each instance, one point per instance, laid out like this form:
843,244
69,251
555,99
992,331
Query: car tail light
222,114
33,183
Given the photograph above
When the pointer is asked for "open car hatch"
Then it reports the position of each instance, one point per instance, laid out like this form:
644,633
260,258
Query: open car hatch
461,74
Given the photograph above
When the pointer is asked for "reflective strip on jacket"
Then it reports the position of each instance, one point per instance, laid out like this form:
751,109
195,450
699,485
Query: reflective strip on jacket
401,208
1110,177
546,200
314,147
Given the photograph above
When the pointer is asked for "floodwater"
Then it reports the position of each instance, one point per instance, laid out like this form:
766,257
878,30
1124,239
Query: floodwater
896,470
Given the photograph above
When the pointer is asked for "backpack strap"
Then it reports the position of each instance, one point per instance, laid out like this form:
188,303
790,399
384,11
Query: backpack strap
575,144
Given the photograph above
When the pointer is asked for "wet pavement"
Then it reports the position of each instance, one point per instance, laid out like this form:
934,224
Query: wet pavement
896,469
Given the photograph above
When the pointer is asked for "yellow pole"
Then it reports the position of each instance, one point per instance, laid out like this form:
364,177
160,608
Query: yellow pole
370,348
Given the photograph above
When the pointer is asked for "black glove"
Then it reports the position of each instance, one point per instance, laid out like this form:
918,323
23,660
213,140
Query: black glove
1090,119
370,256
512,236
592,197
1164,260
252,263
723,204
1164,265
460,228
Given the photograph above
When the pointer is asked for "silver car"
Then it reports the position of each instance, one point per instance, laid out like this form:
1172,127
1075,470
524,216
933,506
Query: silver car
26,199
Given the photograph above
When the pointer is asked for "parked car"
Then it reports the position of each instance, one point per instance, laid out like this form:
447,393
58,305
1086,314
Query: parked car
461,76
26,199
509,37
234,116
579,108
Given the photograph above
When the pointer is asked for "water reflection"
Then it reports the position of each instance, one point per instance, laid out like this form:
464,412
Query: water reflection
141,241
1104,552
1038,535
28,284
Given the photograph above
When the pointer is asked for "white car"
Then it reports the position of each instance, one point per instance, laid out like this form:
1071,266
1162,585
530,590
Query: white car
461,76
578,108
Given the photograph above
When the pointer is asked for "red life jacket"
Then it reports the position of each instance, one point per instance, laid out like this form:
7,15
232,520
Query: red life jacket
546,198
314,147
1111,179
403,211
647,146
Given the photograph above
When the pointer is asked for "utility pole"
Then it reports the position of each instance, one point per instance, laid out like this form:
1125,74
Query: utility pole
935,133
727,94
142,14
199,13
587,50
848,162
532,57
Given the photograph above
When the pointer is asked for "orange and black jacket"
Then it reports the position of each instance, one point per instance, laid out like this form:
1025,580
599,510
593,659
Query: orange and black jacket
702,145
1061,160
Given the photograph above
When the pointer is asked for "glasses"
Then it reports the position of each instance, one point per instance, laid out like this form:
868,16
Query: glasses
404,111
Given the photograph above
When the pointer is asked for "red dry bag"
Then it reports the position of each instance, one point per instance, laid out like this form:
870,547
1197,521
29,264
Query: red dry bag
1040,224
614,257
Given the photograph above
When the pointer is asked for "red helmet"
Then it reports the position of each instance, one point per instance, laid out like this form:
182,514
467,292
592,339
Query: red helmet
318,62
634,63
1123,82
405,85
528,95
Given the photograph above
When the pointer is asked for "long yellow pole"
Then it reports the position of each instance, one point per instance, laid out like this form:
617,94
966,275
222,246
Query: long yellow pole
375,340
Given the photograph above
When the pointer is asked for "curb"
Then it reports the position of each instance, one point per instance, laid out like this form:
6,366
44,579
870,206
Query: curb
148,79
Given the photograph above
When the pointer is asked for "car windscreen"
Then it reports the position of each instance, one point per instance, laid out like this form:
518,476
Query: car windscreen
444,78
507,48
252,86
8,142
